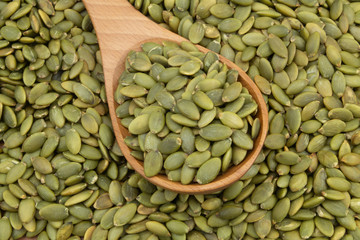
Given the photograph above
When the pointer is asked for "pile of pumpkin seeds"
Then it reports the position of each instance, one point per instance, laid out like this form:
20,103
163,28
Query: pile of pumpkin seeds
304,184
304,57
184,110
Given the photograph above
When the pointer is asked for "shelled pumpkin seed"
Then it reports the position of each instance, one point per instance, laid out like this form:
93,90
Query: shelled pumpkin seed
199,96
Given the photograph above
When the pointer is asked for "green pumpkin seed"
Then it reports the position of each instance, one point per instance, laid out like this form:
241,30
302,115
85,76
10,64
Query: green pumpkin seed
215,132
124,214
242,140
202,100
10,33
327,158
188,109
7,229
34,142
221,10
26,210
54,212
336,208
165,99
275,141
174,160
208,84
153,163
229,25
84,93
15,173
231,120
170,144
277,46
182,120
157,229
196,159
196,32
41,165
253,39
332,127
140,124
208,171
262,193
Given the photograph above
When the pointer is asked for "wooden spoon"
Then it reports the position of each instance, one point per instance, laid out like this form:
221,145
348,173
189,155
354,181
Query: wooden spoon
119,28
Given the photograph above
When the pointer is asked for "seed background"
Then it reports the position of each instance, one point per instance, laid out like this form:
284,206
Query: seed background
305,183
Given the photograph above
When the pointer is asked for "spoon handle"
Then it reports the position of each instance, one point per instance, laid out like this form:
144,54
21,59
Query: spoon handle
120,28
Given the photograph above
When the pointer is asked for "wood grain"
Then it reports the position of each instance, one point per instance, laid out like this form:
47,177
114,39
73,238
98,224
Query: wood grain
120,28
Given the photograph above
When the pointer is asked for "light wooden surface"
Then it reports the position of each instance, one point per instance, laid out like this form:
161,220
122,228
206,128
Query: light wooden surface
119,28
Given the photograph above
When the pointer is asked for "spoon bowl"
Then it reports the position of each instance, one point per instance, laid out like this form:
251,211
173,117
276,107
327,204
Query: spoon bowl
120,28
